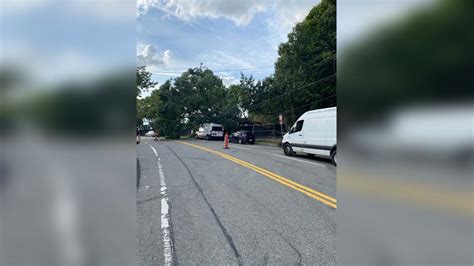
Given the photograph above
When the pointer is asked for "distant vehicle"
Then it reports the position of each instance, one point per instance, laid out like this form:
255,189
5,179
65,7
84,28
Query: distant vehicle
138,136
210,131
242,137
200,134
314,133
150,133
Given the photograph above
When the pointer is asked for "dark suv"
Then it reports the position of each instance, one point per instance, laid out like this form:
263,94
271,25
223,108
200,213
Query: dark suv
242,136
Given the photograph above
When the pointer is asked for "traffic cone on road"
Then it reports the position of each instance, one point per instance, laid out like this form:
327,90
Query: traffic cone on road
226,141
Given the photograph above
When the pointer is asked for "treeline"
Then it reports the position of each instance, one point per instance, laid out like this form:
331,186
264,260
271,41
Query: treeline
304,79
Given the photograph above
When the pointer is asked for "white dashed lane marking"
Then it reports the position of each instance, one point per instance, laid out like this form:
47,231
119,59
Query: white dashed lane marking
165,215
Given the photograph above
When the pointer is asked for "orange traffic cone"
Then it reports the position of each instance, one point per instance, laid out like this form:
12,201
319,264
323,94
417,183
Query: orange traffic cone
226,141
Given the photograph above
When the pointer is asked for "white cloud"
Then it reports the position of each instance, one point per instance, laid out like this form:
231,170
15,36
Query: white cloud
290,12
167,57
229,80
240,12
286,13
149,57
143,6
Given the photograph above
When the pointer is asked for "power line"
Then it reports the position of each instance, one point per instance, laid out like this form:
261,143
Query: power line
178,73
320,62
250,68
284,94
304,105
316,64
215,71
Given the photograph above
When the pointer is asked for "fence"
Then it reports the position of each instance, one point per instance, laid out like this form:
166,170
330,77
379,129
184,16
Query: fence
264,130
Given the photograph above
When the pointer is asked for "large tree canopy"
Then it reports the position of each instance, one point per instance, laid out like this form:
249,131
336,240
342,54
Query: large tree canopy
197,96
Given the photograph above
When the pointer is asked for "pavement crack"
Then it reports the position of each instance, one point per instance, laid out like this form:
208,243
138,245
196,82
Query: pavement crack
149,199
291,245
197,158
229,239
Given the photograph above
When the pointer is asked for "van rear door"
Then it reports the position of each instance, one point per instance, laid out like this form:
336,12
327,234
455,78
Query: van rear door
217,131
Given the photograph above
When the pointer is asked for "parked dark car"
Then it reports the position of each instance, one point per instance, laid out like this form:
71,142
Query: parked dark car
242,137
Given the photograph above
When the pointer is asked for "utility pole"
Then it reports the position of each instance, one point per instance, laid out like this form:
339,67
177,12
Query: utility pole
280,118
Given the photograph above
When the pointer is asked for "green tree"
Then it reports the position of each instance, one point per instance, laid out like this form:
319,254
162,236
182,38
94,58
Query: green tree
304,72
171,116
306,61
256,98
144,81
231,113
197,96
203,94
149,108
206,99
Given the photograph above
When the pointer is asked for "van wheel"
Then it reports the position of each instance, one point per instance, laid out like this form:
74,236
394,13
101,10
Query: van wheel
288,150
207,137
334,157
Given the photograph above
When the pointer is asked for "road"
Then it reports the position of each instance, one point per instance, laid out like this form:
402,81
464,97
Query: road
198,203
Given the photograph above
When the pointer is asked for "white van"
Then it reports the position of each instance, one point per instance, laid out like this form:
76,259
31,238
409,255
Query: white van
210,131
314,133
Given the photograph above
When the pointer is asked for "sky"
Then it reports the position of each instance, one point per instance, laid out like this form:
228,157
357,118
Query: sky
58,40
225,36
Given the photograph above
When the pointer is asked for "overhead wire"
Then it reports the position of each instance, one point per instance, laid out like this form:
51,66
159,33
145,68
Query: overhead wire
292,91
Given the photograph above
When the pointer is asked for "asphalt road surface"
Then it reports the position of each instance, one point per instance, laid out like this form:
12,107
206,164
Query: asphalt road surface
198,203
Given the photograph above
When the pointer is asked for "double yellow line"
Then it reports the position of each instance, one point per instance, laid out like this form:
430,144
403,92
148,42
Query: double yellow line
321,197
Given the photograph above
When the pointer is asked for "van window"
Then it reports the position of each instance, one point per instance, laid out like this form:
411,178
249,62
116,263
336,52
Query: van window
299,126
216,129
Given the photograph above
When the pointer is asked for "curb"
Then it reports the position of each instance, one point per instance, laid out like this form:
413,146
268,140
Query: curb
268,144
